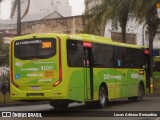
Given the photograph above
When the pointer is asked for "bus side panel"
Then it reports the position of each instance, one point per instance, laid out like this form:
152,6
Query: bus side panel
121,82
105,75
76,90
73,77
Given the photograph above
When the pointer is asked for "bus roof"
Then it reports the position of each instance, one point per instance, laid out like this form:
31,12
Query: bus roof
99,39
84,37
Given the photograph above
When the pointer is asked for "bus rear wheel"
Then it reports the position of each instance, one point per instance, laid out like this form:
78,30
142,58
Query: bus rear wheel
140,93
103,98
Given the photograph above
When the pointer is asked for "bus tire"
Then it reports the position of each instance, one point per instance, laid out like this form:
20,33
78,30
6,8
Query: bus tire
103,97
140,94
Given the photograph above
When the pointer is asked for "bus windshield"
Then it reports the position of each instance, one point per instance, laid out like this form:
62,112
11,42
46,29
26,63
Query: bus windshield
35,48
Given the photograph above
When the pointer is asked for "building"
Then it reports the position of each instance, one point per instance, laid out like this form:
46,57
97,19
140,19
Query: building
133,33
0,11
44,16
43,6
45,24
136,33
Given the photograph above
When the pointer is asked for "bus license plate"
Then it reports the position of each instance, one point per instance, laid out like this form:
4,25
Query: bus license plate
35,87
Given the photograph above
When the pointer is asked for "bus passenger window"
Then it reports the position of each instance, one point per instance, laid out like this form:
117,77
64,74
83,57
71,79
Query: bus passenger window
75,53
119,57
86,63
119,62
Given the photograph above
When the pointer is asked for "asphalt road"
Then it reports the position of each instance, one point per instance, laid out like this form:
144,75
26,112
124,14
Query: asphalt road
80,111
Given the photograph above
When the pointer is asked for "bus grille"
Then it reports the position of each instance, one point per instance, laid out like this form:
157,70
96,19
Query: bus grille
35,94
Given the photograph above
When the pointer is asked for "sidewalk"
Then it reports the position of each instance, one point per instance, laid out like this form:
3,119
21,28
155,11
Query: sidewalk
156,93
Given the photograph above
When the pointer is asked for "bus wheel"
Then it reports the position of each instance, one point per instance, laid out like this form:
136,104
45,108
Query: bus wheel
140,93
102,102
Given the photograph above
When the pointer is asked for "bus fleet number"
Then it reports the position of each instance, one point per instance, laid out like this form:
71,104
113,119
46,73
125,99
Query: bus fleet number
46,68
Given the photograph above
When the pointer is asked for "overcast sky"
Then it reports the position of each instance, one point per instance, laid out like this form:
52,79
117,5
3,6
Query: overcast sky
5,9
77,8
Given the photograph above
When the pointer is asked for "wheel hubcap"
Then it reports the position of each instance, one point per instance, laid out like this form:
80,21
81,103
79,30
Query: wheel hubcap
102,97
140,93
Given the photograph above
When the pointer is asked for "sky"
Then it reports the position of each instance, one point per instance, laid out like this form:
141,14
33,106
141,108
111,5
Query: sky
77,8
5,9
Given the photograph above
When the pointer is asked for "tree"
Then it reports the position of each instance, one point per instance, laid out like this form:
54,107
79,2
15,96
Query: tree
115,10
145,11
4,53
17,4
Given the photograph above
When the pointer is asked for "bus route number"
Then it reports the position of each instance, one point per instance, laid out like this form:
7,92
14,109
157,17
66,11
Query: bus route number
46,44
46,68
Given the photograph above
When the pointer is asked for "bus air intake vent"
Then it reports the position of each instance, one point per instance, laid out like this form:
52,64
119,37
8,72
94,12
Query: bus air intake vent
35,94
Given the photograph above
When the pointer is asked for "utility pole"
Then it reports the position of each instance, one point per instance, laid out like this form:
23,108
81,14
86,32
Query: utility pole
18,17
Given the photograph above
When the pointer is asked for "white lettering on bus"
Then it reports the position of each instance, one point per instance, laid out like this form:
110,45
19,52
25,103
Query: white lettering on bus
29,42
134,75
19,63
29,69
116,77
108,76
45,80
46,68
44,62
34,75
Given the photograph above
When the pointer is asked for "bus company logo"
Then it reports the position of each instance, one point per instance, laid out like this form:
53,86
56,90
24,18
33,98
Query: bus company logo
6,114
17,76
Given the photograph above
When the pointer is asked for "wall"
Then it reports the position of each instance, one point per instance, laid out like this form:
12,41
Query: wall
40,6
70,25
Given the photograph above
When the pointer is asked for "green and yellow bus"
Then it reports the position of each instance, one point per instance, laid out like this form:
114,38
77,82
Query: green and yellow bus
156,72
83,68
156,68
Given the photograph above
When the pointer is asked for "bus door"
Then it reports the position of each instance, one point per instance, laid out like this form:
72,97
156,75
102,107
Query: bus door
88,71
